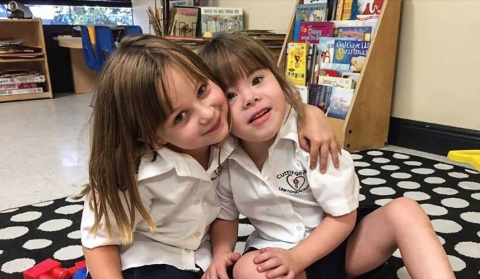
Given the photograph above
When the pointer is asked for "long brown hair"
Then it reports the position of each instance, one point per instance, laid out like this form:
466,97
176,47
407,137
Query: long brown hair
232,57
132,102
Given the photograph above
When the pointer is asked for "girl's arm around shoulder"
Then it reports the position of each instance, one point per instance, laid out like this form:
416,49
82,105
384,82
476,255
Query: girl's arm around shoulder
336,190
103,262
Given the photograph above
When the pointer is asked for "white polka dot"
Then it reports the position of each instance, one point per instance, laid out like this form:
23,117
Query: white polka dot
382,191
397,254
471,171
55,225
459,175
68,253
239,247
469,249
472,217
70,199
416,195
34,244
381,160
361,197
17,266
9,210
423,171
446,226
402,273
476,196
390,167
26,216
373,181
356,156
413,163
242,216
69,209
368,172
74,235
455,203
434,180
434,210
401,175
12,232
383,202
1,252
469,185
456,263
445,191
401,156
43,204
442,241
408,185
361,164
245,229
375,153
477,234
441,166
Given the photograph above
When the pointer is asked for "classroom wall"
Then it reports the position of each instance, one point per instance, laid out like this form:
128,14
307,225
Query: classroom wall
438,75
437,65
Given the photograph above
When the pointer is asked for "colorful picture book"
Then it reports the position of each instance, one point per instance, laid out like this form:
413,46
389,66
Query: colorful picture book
319,96
185,22
326,50
219,19
311,12
336,82
350,53
361,33
296,70
339,103
309,31
369,8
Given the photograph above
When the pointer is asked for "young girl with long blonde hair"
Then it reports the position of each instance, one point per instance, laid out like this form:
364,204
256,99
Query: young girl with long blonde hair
305,221
160,121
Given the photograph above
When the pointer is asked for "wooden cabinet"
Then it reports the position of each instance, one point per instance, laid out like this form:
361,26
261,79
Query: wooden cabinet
367,122
29,30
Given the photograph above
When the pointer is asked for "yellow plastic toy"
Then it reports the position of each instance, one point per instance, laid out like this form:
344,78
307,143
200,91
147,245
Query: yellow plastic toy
466,156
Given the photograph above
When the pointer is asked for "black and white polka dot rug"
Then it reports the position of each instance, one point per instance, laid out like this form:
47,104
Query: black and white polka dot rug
449,195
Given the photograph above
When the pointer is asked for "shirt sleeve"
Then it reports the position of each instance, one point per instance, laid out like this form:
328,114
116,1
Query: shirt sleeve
337,190
89,240
228,210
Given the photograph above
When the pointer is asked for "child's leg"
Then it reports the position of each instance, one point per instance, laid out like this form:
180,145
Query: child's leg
401,223
245,268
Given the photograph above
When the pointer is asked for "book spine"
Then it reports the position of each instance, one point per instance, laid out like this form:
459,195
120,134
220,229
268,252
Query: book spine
23,79
17,86
338,16
21,91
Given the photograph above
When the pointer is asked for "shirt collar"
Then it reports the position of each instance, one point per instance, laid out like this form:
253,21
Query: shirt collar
184,164
288,131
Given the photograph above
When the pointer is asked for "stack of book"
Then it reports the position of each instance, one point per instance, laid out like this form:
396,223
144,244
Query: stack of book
328,53
15,82
14,48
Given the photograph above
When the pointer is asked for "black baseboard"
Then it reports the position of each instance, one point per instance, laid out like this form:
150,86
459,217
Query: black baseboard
432,138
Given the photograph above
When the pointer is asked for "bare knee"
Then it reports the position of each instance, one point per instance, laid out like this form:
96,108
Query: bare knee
405,211
245,268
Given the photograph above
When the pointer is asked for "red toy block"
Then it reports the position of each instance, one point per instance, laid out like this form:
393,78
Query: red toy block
48,269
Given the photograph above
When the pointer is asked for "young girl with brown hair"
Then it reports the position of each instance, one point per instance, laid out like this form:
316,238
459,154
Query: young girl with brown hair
159,126
305,221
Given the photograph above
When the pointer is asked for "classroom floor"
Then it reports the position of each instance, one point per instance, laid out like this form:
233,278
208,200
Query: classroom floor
44,149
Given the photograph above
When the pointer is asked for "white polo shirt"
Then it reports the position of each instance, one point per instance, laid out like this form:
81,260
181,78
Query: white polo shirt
285,201
180,196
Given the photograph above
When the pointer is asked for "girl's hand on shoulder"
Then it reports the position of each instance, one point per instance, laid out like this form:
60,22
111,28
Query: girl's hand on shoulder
219,265
276,263
317,136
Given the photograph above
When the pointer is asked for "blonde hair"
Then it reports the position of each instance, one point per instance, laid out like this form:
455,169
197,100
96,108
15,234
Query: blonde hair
132,102
232,57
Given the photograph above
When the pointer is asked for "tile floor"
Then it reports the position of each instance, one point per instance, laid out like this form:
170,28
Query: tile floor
44,149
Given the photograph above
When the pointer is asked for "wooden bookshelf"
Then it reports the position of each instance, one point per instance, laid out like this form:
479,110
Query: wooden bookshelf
31,31
368,119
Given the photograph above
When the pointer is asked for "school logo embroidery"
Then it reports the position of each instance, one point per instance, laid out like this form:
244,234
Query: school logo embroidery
295,180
